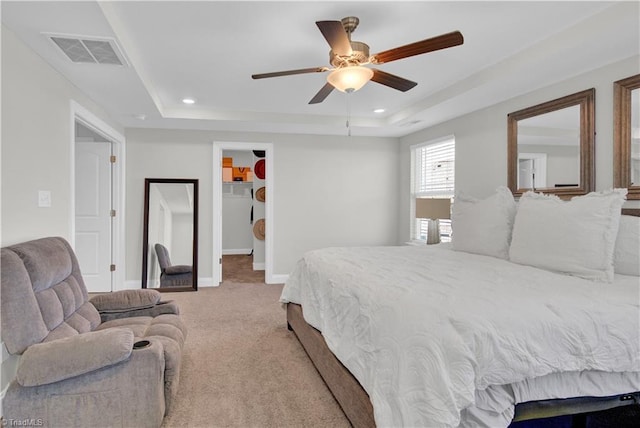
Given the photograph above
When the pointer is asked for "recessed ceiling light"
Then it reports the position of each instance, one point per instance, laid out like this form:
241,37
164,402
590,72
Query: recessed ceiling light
188,100
379,110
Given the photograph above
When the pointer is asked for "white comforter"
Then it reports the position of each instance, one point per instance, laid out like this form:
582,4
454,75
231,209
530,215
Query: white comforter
424,329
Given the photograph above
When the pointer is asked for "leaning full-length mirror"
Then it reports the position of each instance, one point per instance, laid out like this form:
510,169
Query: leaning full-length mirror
551,146
626,132
170,239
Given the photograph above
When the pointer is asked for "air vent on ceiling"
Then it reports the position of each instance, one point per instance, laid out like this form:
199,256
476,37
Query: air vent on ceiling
93,50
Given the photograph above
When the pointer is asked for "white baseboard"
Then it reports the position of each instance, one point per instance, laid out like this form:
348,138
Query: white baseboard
278,279
207,282
2,394
134,284
5,354
233,252
258,266
9,369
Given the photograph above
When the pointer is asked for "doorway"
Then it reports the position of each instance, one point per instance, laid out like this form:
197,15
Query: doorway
240,193
532,170
93,240
96,206
242,251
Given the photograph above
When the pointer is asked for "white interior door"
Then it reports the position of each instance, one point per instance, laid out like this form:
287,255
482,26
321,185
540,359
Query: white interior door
532,170
93,241
525,174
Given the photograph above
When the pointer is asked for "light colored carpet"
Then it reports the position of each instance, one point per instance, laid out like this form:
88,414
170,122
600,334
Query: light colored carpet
241,367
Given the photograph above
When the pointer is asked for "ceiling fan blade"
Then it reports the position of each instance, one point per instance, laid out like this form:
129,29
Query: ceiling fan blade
429,45
322,94
336,36
289,72
392,81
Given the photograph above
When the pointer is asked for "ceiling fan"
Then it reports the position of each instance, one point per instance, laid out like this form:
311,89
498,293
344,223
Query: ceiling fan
347,58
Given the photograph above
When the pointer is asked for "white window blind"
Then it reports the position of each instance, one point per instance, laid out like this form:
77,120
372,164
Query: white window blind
434,169
434,177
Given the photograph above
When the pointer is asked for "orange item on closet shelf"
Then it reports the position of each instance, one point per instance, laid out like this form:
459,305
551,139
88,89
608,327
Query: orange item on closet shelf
227,162
227,174
240,173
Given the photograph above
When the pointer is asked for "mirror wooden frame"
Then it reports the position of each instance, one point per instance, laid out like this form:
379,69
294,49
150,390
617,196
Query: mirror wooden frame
586,101
622,134
145,238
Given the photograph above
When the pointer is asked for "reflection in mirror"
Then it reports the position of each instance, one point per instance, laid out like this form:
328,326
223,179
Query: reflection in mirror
550,146
169,260
626,167
549,150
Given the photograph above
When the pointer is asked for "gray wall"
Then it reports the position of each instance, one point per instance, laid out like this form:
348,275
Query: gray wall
329,191
481,136
36,151
36,143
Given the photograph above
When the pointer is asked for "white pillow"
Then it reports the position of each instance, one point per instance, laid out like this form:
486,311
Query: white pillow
483,226
626,257
575,237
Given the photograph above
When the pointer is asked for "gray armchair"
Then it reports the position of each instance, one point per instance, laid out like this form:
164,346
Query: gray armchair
113,359
172,275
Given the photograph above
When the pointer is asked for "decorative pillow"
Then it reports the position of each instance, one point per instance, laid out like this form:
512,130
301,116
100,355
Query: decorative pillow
575,237
626,257
483,226
126,300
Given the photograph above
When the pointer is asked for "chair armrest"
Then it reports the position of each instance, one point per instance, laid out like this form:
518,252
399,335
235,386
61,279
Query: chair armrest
126,300
50,362
176,269
168,307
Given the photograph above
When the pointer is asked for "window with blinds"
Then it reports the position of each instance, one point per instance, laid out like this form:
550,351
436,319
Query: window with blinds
433,177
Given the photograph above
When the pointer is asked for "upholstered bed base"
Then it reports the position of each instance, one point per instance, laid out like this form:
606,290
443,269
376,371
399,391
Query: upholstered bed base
356,405
353,400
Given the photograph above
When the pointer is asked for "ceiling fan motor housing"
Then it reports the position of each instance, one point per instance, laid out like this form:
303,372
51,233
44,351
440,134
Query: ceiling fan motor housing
359,56
350,23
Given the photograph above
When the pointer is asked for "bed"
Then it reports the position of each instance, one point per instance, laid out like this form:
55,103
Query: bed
442,336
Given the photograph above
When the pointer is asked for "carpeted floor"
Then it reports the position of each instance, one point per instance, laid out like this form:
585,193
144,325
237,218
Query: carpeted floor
241,367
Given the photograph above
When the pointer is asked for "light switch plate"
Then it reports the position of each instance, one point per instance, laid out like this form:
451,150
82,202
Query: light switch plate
44,198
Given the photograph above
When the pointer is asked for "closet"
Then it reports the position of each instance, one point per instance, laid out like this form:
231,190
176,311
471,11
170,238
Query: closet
243,212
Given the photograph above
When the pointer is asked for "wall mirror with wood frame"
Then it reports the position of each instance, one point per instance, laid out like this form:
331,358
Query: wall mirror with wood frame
626,135
550,146
170,237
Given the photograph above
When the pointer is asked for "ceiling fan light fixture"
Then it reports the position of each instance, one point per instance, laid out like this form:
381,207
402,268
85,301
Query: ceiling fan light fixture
350,79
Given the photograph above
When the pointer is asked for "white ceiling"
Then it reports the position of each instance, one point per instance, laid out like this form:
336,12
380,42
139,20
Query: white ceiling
209,49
